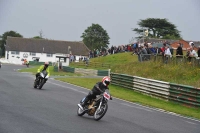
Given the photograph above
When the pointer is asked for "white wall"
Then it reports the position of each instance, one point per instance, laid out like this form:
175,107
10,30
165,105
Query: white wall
12,58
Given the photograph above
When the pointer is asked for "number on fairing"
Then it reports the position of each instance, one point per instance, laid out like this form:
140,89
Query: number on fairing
106,95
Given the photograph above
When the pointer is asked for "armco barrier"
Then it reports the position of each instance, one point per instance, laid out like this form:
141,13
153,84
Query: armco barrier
68,69
122,80
102,73
38,63
148,86
187,95
152,87
84,71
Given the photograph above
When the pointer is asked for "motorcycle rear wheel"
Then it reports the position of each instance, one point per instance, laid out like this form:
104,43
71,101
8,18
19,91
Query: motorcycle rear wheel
80,112
41,84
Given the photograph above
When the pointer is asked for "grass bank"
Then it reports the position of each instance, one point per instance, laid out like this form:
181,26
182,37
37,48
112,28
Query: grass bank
126,63
136,97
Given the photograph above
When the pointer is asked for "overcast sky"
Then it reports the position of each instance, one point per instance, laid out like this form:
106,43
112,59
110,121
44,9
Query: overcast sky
67,19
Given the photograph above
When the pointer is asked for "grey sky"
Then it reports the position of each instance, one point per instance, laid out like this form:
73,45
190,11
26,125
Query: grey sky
67,19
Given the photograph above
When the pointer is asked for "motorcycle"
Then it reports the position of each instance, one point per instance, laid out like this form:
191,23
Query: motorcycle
41,80
96,107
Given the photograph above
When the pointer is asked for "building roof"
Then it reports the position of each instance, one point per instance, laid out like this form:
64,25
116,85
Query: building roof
45,46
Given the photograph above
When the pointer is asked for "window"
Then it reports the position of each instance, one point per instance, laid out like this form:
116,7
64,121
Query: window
32,54
15,52
49,55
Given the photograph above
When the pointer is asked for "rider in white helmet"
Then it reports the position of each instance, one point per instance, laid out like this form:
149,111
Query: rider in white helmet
98,88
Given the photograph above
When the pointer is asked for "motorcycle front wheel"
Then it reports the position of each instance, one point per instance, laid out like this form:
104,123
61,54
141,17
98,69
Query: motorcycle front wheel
35,83
80,112
101,112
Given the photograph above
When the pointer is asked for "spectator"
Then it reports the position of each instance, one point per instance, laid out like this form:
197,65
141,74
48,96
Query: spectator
153,50
142,52
191,53
198,52
179,53
167,54
179,50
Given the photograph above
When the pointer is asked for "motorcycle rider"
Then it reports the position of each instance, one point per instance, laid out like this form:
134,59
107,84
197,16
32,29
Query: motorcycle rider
98,88
43,68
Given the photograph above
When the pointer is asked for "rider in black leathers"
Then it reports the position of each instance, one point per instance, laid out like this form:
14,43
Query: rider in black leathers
98,88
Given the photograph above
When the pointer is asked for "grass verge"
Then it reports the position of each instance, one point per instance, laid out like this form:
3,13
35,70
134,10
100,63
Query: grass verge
33,70
136,97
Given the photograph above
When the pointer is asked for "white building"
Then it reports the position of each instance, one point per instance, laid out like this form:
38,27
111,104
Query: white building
42,50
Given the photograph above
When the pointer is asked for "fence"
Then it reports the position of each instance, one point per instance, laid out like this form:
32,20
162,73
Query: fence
91,64
84,71
169,60
38,63
186,95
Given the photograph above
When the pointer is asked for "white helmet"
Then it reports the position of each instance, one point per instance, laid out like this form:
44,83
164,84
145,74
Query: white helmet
106,80
191,44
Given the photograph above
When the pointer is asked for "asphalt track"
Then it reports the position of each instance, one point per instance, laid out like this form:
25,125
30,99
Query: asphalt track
24,109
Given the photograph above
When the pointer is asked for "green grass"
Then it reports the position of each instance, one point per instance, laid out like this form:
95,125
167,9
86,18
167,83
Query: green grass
33,70
126,63
136,97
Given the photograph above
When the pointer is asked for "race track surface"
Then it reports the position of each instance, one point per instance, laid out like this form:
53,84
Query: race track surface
24,109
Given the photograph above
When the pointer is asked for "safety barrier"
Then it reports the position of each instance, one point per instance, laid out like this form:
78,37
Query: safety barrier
187,95
183,94
147,86
84,71
102,73
122,80
152,87
68,69
38,63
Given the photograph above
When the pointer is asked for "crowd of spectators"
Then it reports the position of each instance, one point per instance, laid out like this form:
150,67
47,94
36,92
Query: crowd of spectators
142,49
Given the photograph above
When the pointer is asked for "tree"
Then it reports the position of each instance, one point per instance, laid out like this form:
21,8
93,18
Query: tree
40,35
157,28
4,38
95,37
37,37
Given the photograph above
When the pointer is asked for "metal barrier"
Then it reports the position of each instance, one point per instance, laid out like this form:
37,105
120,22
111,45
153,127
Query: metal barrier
186,95
152,87
84,71
122,80
102,73
68,69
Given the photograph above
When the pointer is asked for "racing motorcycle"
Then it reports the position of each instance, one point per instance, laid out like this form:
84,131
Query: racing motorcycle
41,80
96,107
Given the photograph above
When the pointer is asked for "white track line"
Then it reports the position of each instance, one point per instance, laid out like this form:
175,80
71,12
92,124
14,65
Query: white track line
136,107
191,123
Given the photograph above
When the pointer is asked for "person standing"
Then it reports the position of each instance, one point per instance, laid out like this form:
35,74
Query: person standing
179,53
